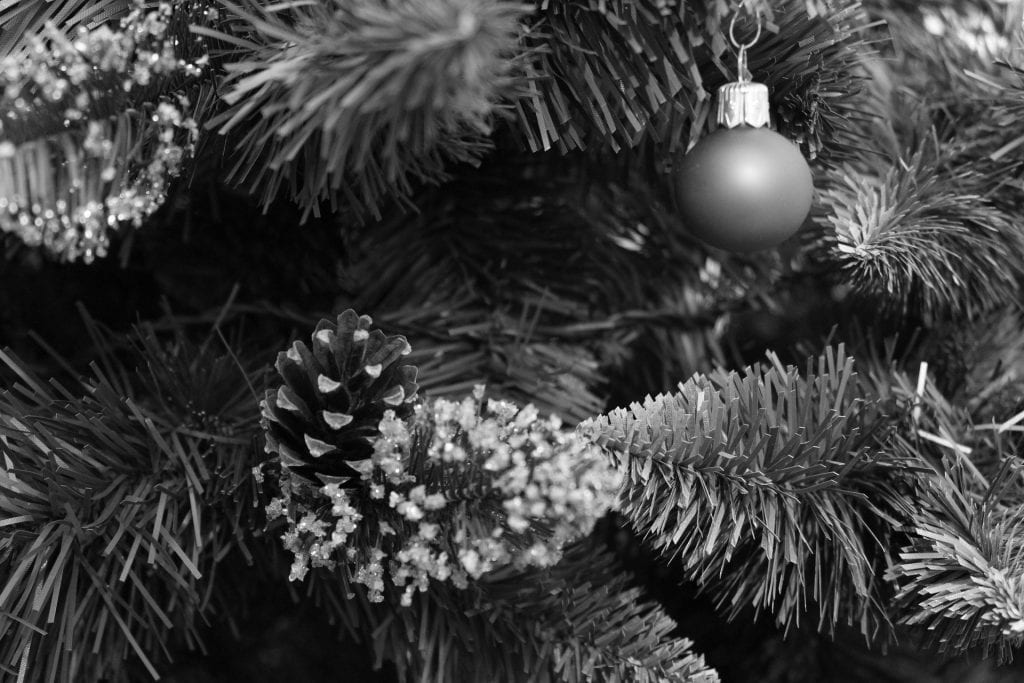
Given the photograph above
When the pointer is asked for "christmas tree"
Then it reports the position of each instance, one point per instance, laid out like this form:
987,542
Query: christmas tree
466,340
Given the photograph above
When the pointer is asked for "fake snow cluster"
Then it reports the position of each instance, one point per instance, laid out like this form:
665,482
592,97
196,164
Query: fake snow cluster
69,174
458,490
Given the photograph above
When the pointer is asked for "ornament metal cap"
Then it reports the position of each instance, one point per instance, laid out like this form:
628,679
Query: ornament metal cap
743,104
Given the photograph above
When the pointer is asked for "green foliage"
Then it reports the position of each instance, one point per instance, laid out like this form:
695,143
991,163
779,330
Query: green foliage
611,74
543,287
559,280
917,236
918,223
768,486
961,576
960,572
579,620
356,101
120,496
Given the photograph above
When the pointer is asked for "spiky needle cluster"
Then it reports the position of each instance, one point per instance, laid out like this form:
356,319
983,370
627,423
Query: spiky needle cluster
119,499
764,485
377,95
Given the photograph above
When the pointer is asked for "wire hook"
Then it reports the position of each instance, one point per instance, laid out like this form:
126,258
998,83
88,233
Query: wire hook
742,74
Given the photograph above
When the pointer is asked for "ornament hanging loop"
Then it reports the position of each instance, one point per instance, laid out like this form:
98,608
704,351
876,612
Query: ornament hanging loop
743,103
742,73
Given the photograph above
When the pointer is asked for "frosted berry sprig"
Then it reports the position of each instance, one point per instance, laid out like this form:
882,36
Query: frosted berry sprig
452,492
78,156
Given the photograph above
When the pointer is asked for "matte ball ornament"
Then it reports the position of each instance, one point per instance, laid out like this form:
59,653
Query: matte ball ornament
744,189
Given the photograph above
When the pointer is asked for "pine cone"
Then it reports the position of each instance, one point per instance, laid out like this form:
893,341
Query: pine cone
324,415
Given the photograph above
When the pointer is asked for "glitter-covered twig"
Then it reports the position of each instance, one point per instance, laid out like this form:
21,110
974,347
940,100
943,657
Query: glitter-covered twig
104,155
383,487
454,492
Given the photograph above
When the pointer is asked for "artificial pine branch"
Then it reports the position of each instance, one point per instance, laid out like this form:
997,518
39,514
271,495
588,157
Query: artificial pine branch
352,102
277,95
987,373
467,494
120,497
612,74
994,140
598,626
769,487
920,221
543,284
916,236
576,621
954,69
961,577
938,50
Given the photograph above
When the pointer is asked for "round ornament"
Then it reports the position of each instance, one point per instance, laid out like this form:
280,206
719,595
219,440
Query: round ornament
744,187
